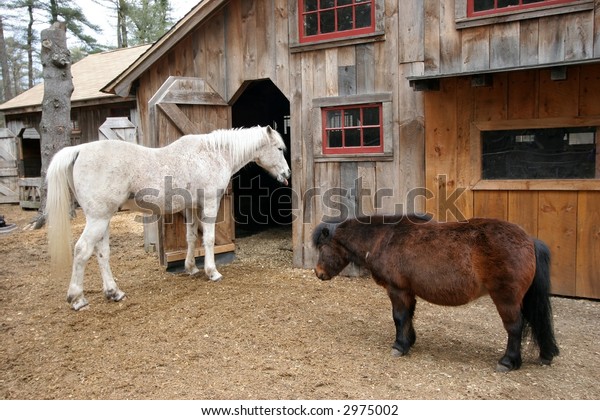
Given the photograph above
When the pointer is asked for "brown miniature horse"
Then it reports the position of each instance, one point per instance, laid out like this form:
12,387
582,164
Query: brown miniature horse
448,264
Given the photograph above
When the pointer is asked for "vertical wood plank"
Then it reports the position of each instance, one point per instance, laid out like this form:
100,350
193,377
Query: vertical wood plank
464,169
490,101
578,39
552,39
529,42
504,45
475,49
557,226
493,204
431,53
450,40
411,31
589,86
523,210
367,176
522,94
588,245
556,98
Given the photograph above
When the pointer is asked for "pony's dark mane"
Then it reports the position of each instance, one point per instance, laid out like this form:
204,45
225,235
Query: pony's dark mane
393,219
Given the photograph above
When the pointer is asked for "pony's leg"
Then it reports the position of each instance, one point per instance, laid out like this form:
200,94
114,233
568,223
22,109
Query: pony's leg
512,320
191,235
209,217
403,310
92,233
111,290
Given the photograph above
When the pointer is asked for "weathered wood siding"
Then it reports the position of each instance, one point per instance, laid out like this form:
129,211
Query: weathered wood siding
257,39
562,213
570,36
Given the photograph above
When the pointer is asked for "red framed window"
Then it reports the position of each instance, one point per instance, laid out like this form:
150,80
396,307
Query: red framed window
328,19
353,129
491,7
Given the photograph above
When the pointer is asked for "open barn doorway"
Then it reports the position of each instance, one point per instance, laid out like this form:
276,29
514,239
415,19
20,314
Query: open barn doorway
260,202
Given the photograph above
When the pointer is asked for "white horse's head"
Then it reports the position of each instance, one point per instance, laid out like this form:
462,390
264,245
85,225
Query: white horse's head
270,156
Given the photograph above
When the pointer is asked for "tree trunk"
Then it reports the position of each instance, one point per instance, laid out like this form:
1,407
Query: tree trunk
4,64
55,126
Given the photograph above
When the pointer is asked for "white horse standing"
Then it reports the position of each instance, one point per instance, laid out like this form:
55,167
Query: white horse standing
190,174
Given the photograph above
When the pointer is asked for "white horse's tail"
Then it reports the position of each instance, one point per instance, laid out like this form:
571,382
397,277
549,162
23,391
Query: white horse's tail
58,207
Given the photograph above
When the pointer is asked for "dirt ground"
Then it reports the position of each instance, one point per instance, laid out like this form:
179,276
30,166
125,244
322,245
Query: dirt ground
267,331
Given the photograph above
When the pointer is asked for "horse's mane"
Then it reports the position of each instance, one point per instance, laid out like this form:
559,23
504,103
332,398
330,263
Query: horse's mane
394,219
241,143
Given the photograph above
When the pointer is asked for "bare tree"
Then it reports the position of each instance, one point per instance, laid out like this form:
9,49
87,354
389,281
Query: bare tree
55,126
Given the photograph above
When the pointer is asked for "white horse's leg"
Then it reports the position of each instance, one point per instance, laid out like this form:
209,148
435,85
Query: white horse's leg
191,235
92,233
209,217
111,290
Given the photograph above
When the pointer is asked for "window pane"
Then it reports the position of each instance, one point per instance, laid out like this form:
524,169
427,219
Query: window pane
371,116
344,19
325,4
334,138
327,21
343,2
363,16
371,137
353,137
310,5
334,119
352,117
506,3
479,5
310,24
553,153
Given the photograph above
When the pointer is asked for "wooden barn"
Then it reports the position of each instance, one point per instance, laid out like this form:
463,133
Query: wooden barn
392,106
512,118
91,109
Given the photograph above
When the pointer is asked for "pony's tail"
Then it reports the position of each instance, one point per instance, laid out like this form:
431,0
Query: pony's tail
59,178
537,310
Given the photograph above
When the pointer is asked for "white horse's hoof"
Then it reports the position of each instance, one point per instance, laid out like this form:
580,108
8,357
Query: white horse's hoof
193,271
115,296
79,303
217,277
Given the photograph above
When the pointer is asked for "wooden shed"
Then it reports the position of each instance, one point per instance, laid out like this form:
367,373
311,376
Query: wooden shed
90,109
382,103
512,121
270,62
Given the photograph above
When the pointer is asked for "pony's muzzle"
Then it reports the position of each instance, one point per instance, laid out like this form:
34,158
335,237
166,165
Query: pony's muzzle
322,274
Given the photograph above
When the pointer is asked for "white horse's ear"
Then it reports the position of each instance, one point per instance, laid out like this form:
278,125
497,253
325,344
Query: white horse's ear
269,129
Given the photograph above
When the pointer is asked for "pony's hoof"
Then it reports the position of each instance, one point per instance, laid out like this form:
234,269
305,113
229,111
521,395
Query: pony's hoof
398,353
502,369
544,362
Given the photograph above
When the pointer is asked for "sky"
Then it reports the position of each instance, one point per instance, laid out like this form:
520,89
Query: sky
98,15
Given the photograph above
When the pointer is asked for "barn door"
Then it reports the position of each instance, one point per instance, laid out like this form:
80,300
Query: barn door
118,128
8,167
188,106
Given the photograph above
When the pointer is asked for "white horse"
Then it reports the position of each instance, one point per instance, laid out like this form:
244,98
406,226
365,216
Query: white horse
190,174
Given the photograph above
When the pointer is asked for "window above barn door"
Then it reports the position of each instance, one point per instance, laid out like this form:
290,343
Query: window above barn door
322,20
470,13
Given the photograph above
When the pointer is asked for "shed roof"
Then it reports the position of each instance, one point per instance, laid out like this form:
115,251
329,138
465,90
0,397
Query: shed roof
121,85
90,75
